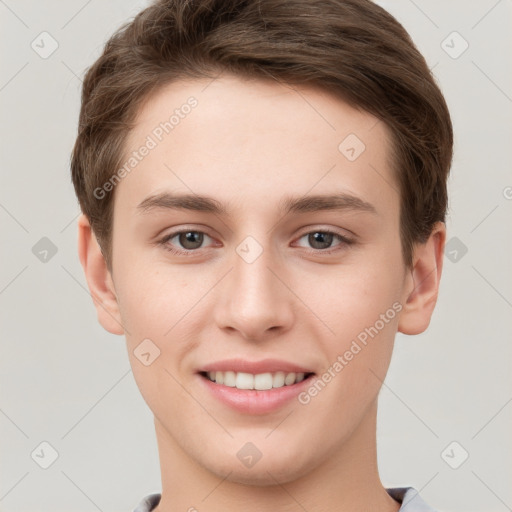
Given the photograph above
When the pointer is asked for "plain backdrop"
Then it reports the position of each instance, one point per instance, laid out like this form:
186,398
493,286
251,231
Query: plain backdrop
445,411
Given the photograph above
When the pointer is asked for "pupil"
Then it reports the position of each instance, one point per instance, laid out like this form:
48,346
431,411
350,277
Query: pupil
191,239
320,240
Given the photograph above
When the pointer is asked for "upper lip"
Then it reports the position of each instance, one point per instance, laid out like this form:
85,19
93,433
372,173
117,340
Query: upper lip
254,367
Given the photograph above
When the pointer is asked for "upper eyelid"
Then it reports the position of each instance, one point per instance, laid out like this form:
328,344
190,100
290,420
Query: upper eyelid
306,231
334,231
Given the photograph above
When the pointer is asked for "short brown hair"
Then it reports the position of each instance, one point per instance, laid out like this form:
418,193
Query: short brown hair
351,48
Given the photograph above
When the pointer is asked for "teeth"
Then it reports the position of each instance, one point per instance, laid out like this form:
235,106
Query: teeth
263,381
260,381
229,378
278,380
244,381
290,378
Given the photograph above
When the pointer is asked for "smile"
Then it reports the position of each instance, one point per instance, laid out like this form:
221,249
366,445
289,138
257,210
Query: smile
259,381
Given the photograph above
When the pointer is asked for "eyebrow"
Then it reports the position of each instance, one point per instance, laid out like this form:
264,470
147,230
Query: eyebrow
304,204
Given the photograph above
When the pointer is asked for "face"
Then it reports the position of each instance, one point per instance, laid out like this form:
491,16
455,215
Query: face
283,262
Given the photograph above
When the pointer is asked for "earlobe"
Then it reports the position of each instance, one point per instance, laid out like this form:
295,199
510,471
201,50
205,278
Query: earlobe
422,284
99,280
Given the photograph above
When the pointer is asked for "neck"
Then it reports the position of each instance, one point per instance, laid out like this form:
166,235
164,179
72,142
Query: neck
346,480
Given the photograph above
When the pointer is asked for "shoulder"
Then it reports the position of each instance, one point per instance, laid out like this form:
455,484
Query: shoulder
148,503
407,496
410,499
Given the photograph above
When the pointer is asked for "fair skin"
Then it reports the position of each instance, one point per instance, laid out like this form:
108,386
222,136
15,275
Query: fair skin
249,145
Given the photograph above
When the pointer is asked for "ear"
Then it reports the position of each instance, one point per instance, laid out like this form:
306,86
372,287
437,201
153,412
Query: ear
98,278
421,285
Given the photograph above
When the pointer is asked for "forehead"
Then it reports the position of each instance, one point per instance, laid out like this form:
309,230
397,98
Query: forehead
242,139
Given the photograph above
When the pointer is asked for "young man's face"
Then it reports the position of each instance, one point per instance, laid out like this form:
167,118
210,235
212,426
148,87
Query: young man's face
257,281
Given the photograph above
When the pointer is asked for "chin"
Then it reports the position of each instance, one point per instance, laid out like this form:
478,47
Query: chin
277,468
267,476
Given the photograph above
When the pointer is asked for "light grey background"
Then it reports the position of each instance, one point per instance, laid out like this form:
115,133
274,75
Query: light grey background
66,381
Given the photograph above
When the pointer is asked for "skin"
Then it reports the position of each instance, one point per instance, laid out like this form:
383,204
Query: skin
249,144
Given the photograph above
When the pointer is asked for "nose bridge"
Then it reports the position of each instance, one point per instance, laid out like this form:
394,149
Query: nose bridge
253,280
254,300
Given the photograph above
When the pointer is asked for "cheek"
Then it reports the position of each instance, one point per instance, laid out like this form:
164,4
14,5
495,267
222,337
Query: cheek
350,299
161,312
154,310
361,307
150,300
362,311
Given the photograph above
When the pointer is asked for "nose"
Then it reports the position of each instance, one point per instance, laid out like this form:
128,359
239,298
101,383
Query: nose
254,300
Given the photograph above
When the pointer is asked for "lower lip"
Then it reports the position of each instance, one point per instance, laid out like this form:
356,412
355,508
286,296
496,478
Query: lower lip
252,401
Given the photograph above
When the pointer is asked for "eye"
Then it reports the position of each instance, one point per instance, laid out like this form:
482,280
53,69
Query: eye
320,240
187,240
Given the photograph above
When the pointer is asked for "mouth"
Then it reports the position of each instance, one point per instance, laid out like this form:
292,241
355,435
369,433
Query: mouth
265,392
254,388
258,382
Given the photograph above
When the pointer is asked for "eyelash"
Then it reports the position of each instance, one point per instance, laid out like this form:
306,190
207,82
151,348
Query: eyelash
344,241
